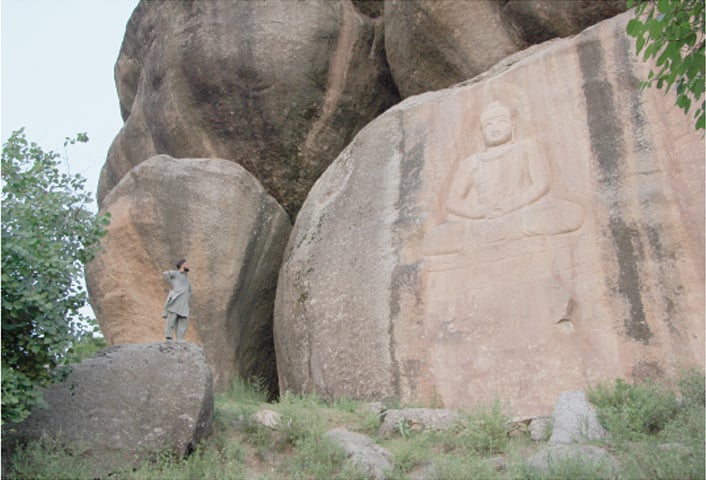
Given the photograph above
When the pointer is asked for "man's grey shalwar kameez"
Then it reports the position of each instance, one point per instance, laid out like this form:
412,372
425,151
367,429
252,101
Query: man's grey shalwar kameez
176,308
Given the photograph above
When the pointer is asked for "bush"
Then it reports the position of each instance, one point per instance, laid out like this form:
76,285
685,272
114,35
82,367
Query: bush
631,410
486,431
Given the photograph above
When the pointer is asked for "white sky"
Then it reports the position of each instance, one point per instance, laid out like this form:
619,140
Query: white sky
57,59
57,75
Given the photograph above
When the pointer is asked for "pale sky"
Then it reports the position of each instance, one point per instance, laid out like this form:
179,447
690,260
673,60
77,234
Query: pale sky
57,75
57,59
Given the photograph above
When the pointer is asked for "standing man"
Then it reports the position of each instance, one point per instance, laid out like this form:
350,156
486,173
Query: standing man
176,308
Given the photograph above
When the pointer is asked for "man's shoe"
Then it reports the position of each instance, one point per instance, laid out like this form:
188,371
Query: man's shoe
168,338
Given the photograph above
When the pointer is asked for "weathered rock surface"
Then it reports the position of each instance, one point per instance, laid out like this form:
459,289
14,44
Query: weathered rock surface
362,452
574,425
409,276
418,419
434,44
575,420
267,418
127,404
216,215
540,428
279,87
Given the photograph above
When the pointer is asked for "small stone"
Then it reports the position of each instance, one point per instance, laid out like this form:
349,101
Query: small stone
267,418
540,428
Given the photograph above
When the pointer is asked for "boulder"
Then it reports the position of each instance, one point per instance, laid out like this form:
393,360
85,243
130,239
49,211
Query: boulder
418,419
575,420
279,87
128,404
267,418
362,453
540,428
439,263
434,44
539,20
218,216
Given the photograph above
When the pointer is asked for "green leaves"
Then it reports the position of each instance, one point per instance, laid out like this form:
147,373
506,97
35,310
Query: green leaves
672,33
47,236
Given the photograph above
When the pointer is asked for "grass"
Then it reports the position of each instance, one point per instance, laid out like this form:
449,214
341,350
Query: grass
654,433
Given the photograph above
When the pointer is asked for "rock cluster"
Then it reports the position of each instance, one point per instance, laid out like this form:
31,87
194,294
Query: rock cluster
435,260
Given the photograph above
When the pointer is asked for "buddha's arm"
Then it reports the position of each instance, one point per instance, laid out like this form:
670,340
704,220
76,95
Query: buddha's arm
540,180
461,200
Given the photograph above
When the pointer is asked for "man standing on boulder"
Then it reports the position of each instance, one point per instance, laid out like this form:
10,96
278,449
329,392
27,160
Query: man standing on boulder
176,308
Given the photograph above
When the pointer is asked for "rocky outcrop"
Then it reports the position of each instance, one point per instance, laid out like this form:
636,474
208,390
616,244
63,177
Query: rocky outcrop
279,87
127,404
233,233
432,45
575,420
362,453
559,245
416,419
574,425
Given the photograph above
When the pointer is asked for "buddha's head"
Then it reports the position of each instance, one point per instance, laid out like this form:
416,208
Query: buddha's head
496,124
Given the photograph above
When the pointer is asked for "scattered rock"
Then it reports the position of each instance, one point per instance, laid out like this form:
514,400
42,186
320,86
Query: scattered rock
362,452
575,420
267,418
128,403
417,419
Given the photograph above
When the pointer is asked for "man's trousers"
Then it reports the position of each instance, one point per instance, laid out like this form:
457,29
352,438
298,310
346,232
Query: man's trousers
178,323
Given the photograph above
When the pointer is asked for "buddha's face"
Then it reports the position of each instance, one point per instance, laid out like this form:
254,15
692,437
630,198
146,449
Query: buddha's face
497,130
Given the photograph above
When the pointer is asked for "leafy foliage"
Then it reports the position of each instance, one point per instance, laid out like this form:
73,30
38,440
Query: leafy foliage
632,410
672,33
48,234
85,347
656,435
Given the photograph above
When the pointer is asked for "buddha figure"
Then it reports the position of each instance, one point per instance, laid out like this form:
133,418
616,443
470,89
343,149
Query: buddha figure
500,194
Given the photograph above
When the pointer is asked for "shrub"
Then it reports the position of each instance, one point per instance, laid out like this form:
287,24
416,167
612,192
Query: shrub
626,409
487,430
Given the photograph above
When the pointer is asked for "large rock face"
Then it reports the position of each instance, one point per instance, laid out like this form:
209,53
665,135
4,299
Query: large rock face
559,245
216,215
434,44
279,87
127,404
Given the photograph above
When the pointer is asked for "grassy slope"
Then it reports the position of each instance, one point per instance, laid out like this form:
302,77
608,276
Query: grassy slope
654,433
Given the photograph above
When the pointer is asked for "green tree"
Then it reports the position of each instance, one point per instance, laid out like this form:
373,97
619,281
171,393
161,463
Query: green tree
48,234
672,33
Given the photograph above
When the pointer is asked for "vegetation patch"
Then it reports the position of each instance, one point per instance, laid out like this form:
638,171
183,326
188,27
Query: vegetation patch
654,432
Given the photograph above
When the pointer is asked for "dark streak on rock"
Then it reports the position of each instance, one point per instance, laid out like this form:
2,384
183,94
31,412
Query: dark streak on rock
607,144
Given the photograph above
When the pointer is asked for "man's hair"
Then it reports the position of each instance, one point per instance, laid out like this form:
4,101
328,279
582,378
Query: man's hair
180,263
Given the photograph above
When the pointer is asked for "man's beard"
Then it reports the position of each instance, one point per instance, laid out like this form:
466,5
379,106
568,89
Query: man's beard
186,270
